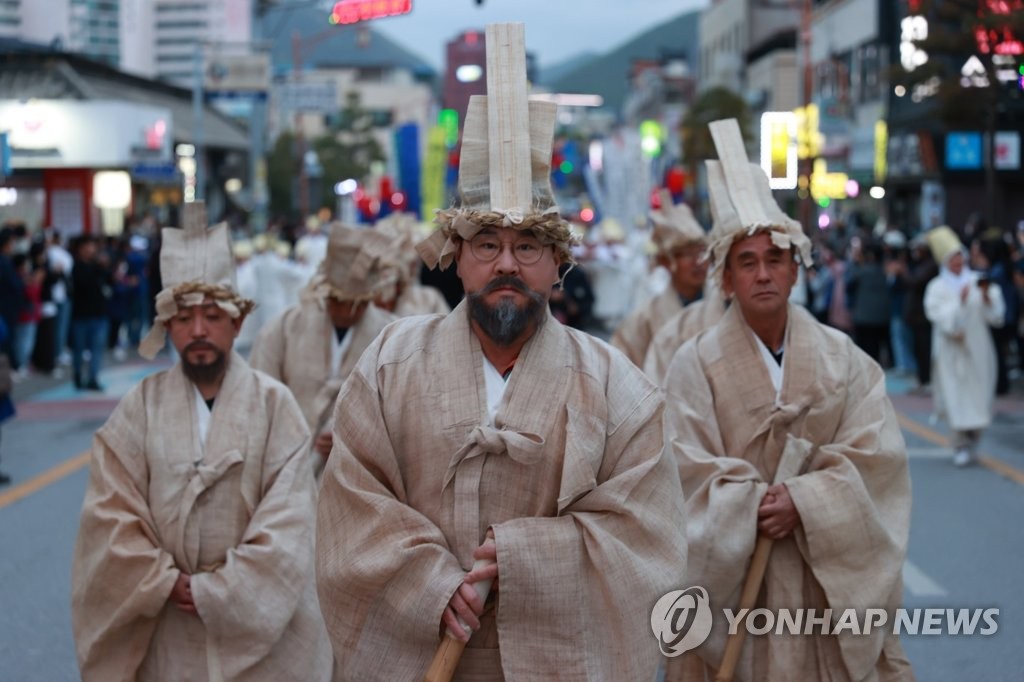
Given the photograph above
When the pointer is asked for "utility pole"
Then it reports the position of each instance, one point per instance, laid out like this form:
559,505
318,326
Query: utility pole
300,137
807,164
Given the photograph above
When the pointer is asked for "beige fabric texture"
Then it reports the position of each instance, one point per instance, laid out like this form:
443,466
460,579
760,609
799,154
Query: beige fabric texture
674,225
240,522
574,479
359,265
195,262
296,347
963,357
633,335
418,299
742,202
943,243
680,328
476,211
728,434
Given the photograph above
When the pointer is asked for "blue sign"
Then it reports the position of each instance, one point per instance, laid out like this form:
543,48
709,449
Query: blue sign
5,155
154,172
963,151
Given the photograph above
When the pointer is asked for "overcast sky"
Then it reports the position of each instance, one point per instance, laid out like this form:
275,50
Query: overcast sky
555,29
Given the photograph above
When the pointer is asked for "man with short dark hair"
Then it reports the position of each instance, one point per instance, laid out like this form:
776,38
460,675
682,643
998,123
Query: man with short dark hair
194,558
91,283
769,383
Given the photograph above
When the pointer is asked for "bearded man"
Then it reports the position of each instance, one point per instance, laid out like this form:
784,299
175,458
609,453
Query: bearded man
495,433
194,558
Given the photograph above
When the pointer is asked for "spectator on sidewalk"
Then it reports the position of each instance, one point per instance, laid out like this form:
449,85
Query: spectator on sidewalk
923,270
6,404
28,318
44,353
12,291
962,305
91,283
868,294
897,269
60,264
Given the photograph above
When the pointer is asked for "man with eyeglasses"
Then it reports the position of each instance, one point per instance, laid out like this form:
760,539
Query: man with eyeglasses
679,241
496,434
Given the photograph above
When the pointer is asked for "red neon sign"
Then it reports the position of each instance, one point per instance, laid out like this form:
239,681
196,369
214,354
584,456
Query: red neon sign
998,39
353,11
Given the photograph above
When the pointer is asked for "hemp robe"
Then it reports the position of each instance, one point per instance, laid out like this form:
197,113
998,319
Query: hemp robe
571,474
235,512
680,328
963,356
728,428
418,299
633,337
296,349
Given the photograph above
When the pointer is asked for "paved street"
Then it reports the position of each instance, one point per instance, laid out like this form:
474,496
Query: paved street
966,547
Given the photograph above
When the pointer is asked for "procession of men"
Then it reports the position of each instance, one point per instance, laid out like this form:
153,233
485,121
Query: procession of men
373,490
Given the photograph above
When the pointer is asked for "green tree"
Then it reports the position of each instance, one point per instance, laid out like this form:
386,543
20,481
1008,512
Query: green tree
714,104
346,151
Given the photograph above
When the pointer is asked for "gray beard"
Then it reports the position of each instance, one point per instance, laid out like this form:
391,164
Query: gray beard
504,323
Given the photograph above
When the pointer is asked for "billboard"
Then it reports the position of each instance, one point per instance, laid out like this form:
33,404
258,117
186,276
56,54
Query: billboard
963,151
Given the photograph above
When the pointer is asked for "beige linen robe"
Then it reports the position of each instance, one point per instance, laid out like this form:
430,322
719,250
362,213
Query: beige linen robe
295,348
634,335
963,357
728,432
240,522
417,299
680,328
573,477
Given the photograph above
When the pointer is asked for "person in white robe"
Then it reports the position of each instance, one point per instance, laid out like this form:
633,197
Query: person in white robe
496,434
962,305
313,346
768,384
194,556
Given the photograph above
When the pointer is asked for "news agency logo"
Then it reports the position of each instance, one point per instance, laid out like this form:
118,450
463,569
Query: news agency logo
681,620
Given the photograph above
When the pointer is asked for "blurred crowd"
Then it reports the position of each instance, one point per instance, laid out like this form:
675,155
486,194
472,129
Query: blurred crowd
69,302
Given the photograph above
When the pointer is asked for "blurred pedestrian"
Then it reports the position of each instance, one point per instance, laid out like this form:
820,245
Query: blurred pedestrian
28,318
868,293
91,285
6,403
962,305
897,271
922,270
60,264
43,356
12,290
992,256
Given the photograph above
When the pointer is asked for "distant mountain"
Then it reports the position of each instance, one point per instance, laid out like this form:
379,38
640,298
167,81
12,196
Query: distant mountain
324,45
550,74
608,75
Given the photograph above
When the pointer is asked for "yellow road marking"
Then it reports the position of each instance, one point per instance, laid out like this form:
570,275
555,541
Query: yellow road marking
990,463
44,479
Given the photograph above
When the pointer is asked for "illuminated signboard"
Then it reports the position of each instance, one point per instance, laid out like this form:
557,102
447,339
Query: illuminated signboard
778,148
881,145
808,133
827,185
353,11
963,151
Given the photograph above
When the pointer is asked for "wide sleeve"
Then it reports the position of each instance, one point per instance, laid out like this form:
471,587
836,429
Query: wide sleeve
268,350
384,570
722,490
121,576
994,311
616,546
854,506
942,308
250,599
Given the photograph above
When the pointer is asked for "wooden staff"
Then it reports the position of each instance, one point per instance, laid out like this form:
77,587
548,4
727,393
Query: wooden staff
790,464
446,659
